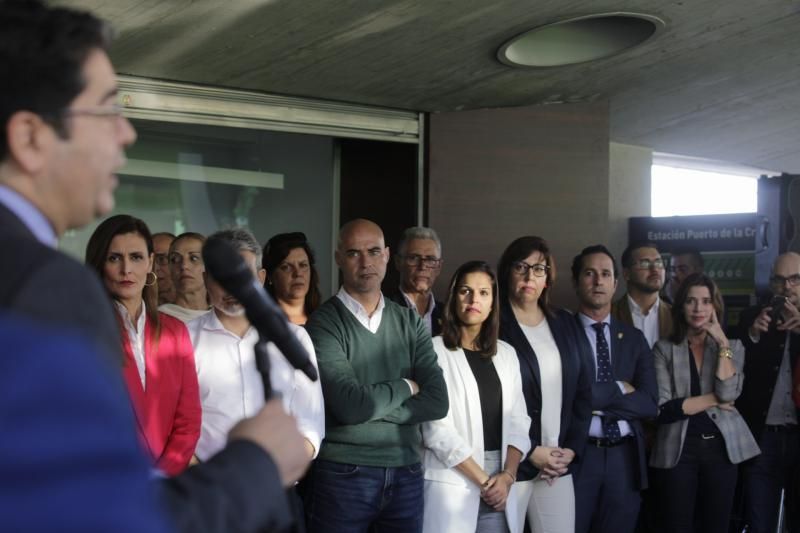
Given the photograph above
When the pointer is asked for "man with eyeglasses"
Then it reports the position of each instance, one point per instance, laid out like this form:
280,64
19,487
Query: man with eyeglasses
70,458
419,262
641,307
380,380
161,244
772,342
683,261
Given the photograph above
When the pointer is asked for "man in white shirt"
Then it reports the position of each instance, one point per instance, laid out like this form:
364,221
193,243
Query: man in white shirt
641,307
231,387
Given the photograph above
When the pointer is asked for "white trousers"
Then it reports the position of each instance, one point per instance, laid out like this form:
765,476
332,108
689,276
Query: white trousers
550,508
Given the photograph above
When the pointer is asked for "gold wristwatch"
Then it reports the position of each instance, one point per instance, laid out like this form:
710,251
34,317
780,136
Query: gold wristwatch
726,353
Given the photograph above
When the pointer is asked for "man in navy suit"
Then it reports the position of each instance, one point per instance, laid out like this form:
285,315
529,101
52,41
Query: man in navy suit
62,139
613,471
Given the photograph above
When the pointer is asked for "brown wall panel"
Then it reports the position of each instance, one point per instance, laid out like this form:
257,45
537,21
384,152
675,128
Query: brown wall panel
494,175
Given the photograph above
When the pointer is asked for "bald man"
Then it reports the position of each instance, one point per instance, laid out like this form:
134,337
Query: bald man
772,349
380,380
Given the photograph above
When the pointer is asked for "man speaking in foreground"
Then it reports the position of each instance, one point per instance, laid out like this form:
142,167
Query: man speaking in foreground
63,136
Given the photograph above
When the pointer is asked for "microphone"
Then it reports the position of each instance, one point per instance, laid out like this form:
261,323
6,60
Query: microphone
227,267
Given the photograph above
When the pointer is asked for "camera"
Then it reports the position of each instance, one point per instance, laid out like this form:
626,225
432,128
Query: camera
776,304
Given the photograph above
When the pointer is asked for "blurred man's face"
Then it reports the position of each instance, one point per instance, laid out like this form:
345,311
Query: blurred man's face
220,299
78,173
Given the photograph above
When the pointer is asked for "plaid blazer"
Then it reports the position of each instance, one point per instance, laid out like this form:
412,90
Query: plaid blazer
673,375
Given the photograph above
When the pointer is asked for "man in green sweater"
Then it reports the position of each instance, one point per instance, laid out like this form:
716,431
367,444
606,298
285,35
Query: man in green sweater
380,380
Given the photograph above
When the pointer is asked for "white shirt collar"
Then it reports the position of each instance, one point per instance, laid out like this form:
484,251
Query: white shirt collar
360,313
638,310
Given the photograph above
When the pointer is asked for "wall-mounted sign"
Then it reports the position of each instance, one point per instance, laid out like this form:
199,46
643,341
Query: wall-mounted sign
708,233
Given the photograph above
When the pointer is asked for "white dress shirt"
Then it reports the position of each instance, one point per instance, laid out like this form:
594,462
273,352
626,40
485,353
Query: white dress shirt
646,323
596,426
231,387
135,336
373,322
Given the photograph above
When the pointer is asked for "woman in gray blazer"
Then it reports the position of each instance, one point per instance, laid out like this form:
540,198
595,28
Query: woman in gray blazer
701,437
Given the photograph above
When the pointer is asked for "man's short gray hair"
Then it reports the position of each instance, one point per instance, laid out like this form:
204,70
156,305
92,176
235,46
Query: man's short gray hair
242,239
418,232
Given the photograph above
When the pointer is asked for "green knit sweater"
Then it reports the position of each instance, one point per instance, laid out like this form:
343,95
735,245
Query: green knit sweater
371,418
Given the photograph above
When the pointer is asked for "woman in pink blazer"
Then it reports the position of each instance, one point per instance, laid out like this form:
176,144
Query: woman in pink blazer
158,365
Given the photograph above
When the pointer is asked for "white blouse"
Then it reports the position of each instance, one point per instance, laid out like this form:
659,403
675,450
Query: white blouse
135,336
541,340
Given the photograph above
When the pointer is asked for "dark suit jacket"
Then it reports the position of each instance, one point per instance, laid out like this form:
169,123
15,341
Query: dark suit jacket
762,361
632,361
576,383
69,460
39,282
436,317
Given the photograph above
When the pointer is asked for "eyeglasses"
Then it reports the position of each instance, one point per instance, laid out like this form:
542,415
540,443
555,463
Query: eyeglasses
162,259
521,267
111,111
426,261
647,264
780,281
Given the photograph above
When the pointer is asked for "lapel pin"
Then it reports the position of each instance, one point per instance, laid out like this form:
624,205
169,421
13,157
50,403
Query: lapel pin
619,335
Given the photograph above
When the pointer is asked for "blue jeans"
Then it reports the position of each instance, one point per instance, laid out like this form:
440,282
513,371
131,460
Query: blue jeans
349,498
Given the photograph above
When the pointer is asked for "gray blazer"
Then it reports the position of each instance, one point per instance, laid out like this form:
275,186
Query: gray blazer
673,375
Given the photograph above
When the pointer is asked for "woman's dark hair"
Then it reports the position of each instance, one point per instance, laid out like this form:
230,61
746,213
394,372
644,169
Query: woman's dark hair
519,250
276,250
486,342
679,326
97,254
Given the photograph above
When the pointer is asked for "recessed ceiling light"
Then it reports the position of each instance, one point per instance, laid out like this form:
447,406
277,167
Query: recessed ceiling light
578,40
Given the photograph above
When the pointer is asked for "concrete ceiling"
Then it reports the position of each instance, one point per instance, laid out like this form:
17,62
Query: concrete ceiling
721,81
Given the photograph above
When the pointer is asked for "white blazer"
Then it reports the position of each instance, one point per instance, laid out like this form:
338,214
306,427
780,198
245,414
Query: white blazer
452,500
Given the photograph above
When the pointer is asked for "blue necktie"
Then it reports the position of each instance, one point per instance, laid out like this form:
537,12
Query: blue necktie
604,375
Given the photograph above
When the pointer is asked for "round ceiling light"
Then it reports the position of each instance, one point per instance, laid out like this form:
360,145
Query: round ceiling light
578,40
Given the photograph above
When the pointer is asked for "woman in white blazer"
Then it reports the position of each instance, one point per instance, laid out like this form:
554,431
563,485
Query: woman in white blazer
471,456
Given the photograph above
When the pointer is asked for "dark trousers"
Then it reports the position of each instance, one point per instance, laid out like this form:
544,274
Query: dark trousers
607,495
697,493
765,475
349,498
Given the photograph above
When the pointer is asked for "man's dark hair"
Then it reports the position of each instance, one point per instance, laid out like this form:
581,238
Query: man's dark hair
627,254
696,258
577,262
42,53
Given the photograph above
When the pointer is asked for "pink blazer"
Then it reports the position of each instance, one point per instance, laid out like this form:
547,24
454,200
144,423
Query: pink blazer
168,412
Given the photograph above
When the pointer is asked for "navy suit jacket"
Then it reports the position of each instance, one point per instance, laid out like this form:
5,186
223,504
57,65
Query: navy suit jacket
632,361
436,317
237,490
576,383
69,459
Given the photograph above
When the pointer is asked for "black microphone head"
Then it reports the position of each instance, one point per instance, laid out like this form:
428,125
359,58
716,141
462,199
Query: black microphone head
224,264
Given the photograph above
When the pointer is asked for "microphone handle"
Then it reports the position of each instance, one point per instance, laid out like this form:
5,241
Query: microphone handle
262,365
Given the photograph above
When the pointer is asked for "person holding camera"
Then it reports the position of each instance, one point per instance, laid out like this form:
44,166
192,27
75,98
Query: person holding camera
771,336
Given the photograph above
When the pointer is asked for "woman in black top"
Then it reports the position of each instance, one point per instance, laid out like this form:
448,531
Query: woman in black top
701,437
472,454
